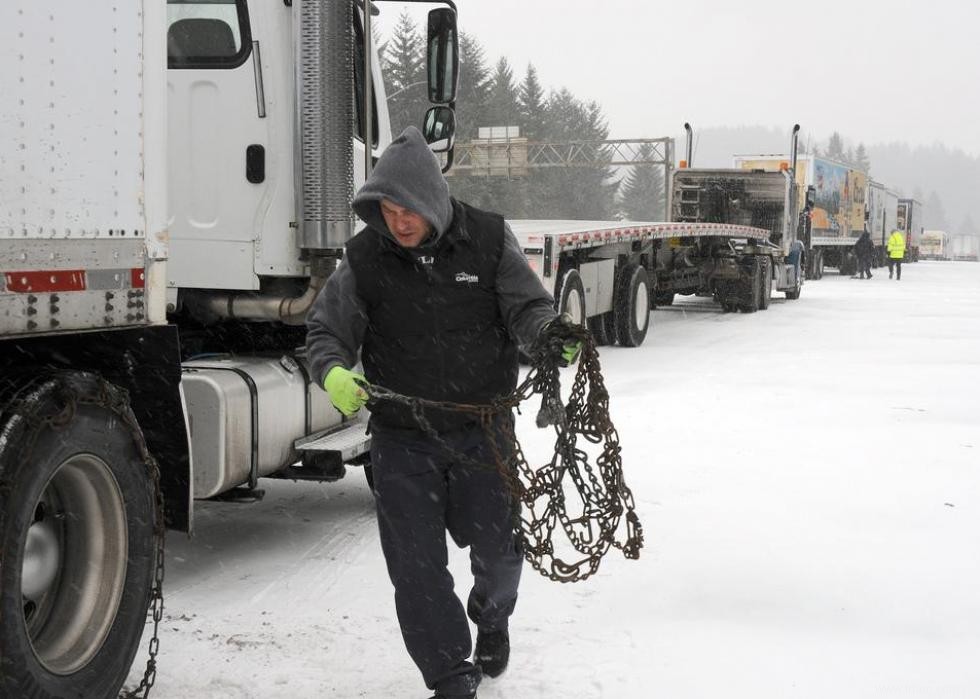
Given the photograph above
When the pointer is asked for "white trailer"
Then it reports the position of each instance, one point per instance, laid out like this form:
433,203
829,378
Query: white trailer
934,245
964,247
611,274
832,196
909,222
175,183
880,211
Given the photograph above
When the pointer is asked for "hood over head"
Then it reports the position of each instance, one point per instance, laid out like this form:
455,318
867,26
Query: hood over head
409,174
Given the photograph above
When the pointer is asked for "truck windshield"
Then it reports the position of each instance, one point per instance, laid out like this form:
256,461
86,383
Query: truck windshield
207,33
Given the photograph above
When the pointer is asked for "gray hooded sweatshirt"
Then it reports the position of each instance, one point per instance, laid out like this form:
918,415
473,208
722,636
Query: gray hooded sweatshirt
409,175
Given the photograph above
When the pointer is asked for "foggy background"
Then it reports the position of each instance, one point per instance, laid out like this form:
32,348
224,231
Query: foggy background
900,79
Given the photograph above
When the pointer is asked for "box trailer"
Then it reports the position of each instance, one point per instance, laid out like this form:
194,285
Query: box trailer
934,245
909,222
833,197
175,183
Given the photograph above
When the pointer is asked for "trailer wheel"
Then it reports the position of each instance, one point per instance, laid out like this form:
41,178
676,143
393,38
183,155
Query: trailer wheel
750,286
603,328
77,548
571,300
765,287
794,293
632,305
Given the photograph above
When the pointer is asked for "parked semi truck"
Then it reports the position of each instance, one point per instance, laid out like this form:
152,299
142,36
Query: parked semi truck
934,245
881,208
964,247
833,195
731,237
909,222
175,189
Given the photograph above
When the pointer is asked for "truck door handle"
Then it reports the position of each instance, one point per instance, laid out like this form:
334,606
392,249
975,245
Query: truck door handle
255,163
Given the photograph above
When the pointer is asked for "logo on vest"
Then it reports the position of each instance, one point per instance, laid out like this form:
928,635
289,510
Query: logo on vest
467,278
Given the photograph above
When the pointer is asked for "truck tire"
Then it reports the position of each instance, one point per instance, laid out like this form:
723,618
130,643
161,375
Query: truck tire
631,306
603,328
750,285
571,298
794,293
77,522
765,280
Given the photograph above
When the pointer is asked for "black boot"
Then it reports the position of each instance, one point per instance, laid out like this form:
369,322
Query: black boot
492,651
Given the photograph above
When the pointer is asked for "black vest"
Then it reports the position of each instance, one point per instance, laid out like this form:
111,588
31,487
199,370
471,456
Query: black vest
434,324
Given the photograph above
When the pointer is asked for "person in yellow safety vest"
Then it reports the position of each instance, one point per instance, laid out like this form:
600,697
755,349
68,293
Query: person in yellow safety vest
896,253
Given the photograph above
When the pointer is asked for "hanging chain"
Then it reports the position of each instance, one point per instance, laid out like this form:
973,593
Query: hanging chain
541,507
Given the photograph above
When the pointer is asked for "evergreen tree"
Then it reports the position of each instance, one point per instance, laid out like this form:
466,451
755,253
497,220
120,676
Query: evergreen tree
404,63
642,192
502,105
861,159
968,226
934,217
835,147
531,106
585,193
471,104
474,87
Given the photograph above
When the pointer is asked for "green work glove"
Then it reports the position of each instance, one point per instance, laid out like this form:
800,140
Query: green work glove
345,392
570,352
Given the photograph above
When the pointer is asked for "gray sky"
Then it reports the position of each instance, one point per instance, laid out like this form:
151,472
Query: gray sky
873,70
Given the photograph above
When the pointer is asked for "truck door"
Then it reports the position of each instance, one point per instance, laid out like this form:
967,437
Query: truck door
217,135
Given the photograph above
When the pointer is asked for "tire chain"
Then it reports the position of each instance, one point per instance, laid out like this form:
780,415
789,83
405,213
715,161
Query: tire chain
606,500
23,398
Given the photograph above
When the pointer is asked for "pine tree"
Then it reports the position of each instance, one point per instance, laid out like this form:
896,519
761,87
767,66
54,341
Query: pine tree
835,147
934,216
474,87
642,192
531,105
471,104
502,106
405,75
968,226
861,159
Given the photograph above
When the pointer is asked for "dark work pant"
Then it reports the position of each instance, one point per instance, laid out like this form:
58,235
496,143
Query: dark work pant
893,263
864,266
421,492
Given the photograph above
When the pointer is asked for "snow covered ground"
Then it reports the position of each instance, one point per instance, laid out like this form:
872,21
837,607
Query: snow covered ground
808,478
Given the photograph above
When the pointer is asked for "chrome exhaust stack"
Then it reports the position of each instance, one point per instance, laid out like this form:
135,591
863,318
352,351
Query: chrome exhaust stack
794,143
325,115
689,150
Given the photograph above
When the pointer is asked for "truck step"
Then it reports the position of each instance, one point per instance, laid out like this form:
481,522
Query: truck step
349,440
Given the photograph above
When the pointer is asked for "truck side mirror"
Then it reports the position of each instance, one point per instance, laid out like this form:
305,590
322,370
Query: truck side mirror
439,129
442,53
811,196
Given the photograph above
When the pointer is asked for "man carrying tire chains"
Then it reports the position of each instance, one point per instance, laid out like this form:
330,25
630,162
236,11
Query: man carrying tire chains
436,295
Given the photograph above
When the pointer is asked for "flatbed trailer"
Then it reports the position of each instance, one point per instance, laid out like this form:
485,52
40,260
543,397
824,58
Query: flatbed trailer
611,274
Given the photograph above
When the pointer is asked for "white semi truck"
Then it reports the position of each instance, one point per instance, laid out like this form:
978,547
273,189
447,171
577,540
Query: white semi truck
833,196
175,185
881,208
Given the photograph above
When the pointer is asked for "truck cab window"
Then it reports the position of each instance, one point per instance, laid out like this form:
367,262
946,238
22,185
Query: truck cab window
359,85
207,33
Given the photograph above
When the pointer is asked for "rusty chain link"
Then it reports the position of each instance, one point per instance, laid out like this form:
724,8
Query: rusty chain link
604,498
